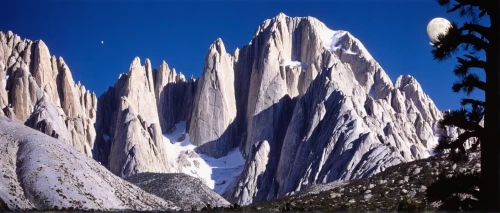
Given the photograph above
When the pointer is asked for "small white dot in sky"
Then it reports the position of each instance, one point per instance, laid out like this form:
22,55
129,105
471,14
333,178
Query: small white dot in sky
102,42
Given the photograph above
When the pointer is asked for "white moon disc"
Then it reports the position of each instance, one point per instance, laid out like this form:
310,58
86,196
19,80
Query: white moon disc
436,27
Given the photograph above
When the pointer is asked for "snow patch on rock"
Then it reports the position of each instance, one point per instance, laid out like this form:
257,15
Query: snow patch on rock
216,173
4,81
332,41
331,38
296,64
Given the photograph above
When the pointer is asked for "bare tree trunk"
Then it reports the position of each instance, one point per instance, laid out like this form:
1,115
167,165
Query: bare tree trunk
490,148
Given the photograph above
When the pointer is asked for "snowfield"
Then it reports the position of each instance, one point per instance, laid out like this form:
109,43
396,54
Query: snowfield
331,38
331,41
216,173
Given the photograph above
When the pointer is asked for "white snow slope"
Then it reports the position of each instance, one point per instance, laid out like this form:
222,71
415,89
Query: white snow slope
216,173
332,41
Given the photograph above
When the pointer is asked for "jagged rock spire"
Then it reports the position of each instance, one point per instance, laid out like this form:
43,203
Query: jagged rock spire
214,108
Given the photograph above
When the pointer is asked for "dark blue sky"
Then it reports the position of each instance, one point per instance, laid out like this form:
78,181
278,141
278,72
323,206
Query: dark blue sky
180,32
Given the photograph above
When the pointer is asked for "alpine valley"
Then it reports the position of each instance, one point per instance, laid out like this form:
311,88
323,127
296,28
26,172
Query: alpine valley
299,105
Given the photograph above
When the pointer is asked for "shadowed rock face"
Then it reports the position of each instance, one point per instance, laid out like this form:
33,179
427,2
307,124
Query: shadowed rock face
125,134
326,109
214,108
174,97
46,119
133,142
254,171
40,172
133,115
185,191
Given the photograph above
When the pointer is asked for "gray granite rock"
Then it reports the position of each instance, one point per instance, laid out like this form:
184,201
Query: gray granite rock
174,97
212,126
311,99
183,190
29,73
327,109
136,139
42,173
244,188
45,118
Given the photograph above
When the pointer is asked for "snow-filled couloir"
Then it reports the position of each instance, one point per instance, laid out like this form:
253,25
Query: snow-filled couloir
217,173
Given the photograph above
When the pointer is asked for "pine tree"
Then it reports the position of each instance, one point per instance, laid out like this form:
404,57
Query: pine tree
475,39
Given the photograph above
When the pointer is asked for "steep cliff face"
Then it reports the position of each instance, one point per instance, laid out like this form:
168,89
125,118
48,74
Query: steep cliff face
275,80
343,139
39,90
174,97
130,135
281,61
251,181
124,132
214,112
326,109
303,103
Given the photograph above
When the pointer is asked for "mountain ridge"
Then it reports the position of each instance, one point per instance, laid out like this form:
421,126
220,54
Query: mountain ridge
303,103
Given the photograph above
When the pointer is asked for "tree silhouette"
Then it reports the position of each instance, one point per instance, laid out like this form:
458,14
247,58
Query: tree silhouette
475,39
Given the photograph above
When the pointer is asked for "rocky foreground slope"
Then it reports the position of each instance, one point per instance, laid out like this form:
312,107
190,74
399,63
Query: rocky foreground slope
41,173
435,183
189,193
304,105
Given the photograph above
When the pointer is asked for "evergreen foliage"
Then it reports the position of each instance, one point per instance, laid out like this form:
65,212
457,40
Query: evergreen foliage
477,46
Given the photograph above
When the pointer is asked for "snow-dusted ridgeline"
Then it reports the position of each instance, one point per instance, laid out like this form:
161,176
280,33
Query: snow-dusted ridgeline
301,104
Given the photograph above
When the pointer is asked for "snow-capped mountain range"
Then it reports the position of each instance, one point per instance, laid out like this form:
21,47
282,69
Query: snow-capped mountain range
301,104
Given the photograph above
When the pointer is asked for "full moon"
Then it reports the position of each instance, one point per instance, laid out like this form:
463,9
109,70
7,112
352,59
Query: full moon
436,27
102,42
